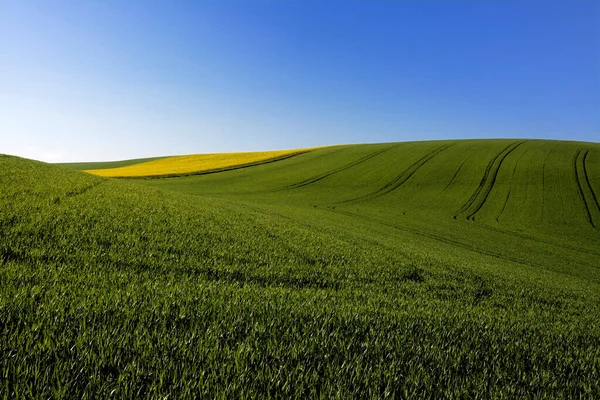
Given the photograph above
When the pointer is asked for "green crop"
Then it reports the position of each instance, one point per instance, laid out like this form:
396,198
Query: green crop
456,269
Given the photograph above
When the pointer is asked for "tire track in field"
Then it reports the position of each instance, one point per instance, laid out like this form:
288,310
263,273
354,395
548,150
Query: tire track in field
442,239
455,174
459,168
400,179
334,171
510,188
544,206
536,239
479,197
585,190
589,184
504,206
543,189
83,190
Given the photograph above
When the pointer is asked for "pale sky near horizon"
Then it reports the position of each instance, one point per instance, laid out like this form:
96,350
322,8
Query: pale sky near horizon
94,81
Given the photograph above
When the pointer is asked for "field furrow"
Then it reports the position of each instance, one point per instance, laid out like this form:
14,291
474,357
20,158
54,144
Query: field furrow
442,238
319,177
510,184
455,175
503,206
538,239
594,204
585,190
479,197
400,179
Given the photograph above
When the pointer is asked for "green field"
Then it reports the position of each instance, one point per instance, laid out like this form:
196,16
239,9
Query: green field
442,269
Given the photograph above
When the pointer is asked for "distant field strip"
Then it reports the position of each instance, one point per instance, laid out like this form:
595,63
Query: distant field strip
319,177
586,192
479,197
402,178
196,164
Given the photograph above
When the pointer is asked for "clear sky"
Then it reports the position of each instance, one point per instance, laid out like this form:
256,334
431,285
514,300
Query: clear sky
124,79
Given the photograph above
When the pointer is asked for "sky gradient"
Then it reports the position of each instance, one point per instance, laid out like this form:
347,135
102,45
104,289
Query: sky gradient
95,81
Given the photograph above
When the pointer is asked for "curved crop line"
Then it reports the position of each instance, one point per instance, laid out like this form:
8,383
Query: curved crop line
418,232
458,170
410,171
479,197
488,190
83,190
455,174
587,180
535,239
317,178
442,239
481,183
400,179
453,242
543,189
544,182
504,206
510,188
580,190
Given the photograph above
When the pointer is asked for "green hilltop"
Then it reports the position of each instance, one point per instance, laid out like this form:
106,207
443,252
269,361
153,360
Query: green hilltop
441,269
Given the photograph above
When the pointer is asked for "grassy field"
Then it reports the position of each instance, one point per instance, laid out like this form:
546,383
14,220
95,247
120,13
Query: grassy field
195,164
454,269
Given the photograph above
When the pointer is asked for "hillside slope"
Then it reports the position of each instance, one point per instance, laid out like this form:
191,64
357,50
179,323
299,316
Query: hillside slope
534,203
432,269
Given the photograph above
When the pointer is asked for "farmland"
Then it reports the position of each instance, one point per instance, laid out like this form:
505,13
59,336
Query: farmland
196,164
442,269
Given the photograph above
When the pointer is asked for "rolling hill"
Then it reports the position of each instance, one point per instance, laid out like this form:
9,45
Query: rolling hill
442,269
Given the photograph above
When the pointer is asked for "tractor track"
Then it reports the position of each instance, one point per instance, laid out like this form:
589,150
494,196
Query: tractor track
589,184
317,178
442,239
590,203
504,206
535,239
400,179
455,175
480,196
544,189
510,187
83,190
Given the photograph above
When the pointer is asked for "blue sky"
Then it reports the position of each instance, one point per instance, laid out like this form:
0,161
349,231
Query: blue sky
125,79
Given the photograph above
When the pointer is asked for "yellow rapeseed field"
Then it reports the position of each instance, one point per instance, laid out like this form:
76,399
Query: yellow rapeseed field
194,163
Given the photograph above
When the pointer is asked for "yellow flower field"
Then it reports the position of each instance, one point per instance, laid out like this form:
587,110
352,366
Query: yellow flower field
195,164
